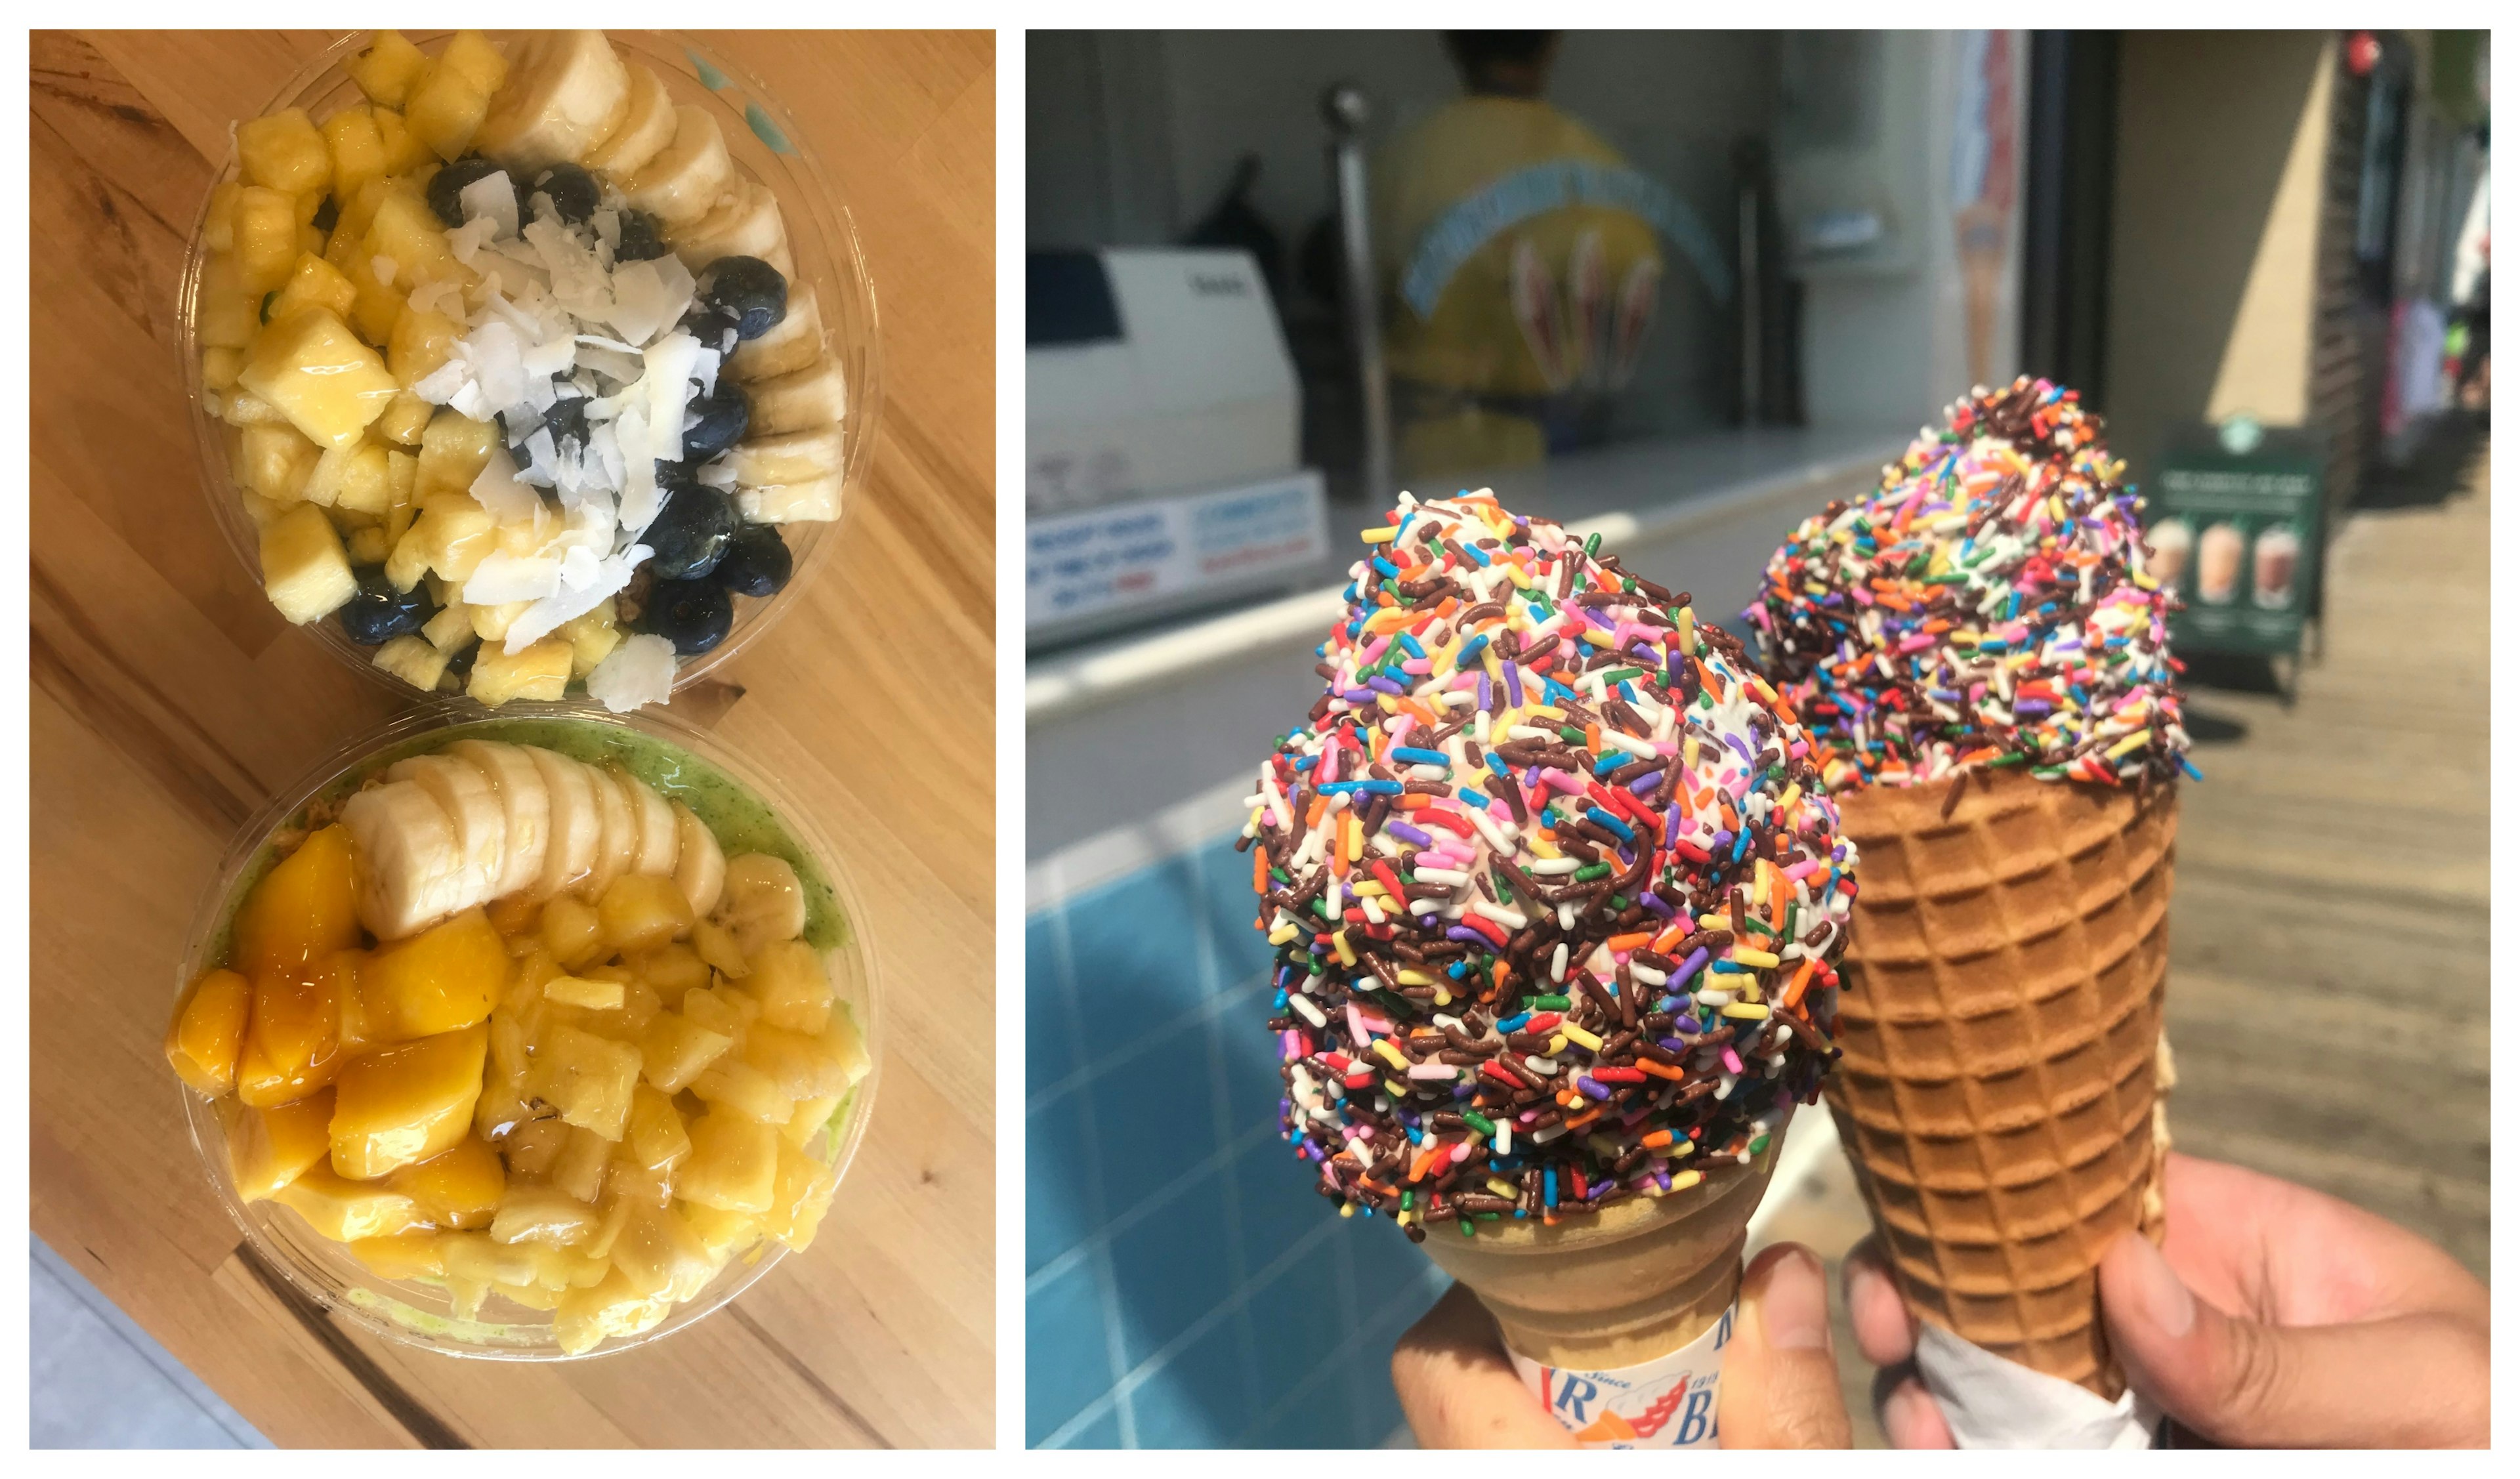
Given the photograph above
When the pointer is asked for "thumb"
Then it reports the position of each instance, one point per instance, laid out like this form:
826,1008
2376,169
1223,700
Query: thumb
1780,1387
2407,1380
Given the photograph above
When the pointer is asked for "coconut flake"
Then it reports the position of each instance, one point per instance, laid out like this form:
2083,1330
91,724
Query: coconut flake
438,387
502,577
719,474
494,197
668,387
641,670
499,490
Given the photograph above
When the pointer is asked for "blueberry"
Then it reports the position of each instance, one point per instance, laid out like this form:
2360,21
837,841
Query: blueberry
691,614
573,193
446,187
756,561
460,667
748,288
328,215
690,533
379,612
640,241
715,328
567,420
716,421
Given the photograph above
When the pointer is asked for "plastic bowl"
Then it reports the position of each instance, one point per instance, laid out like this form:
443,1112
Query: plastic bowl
766,148
671,757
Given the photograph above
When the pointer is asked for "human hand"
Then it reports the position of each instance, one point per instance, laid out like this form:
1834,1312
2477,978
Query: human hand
2260,1321
1780,1389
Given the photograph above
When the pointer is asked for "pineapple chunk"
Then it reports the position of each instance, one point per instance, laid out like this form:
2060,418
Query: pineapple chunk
358,151
724,1008
450,631
453,450
314,284
402,1255
717,946
263,512
572,931
283,150
455,534
470,53
797,1063
490,623
674,1051
276,461
266,239
642,911
440,980
322,378
413,660
346,1209
405,1104
218,225
446,109
543,1214
226,316
385,71
540,671
799,1197
579,991
658,1253
657,1139
479,1256
219,367
592,637
731,1084
612,1309
461,1189
587,1078
367,546
534,1147
243,408
733,1165
361,482
672,970
208,1028
846,1044
811,1115
406,153
723,1233
423,339
787,981
304,908
406,422
304,570
579,1168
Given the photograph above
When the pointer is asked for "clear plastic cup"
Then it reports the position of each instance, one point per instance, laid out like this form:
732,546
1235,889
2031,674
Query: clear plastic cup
673,756
820,236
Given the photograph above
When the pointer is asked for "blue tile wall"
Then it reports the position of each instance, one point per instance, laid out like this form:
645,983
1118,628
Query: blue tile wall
1185,1287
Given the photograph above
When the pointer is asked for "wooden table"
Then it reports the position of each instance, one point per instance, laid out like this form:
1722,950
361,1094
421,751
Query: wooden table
170,701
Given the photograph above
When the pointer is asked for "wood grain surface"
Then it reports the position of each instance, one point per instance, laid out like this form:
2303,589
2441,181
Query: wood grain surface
170,701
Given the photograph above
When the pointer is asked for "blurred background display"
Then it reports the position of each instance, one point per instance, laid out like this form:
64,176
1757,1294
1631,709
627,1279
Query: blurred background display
1680,290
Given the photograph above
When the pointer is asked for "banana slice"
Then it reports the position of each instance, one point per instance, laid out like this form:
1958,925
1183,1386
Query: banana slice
645,130
618,847
411,875
660,840
792,457
744,223
480,822
525,799
701,872
816,501
792,343
683,183
763,903
566,91
799,401
576,823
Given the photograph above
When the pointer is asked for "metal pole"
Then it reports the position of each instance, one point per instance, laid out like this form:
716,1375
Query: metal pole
1345,109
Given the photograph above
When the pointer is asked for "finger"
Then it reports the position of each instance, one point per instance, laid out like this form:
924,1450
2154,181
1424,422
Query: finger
1458,1387
2246,1384
1779,1386
2267,1249
1908,1414
1885,1333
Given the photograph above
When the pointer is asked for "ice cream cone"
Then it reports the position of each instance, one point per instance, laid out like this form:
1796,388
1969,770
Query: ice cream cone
2001,1028
1620,1287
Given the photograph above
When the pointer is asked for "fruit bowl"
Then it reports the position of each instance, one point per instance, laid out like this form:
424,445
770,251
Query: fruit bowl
740,804
765,148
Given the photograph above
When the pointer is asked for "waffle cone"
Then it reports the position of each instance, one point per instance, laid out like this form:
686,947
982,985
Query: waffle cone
1618,1287
2000,1092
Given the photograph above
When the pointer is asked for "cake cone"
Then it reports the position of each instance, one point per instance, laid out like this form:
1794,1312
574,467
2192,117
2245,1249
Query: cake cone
1620,1288
2001,1028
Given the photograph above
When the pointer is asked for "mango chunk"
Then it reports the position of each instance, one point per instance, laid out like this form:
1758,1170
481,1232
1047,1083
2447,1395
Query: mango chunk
460,1188
345,1210
405,1104
208,1029
441,980
268,1149
733,1165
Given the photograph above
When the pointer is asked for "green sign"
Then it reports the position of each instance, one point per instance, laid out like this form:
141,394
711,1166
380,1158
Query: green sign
2234,524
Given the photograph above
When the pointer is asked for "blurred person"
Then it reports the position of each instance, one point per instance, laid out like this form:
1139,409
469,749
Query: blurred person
2272,1316
1520,269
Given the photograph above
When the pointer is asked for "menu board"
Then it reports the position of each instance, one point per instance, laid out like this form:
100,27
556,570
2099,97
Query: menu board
2234,522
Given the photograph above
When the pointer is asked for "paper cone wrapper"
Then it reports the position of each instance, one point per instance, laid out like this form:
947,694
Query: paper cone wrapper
1619,1317
2001,1020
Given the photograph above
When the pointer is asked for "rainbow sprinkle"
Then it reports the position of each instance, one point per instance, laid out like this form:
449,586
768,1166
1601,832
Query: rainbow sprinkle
1988,608
1553,885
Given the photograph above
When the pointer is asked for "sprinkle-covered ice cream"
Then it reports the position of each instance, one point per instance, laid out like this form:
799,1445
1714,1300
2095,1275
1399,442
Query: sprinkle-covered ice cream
1988,608
1553,881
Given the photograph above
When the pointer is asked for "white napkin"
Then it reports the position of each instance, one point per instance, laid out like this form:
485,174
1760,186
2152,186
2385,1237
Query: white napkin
1991,1402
